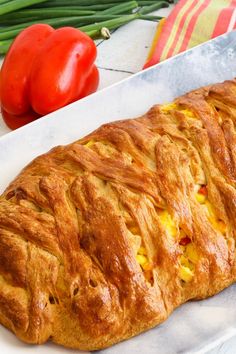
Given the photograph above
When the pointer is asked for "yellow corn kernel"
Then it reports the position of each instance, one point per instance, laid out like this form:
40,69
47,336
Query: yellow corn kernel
201,198
141,259
168,223
168,107
142,250
186,274
191,253
89,143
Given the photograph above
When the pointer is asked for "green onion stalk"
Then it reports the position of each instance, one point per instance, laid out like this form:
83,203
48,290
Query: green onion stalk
97,22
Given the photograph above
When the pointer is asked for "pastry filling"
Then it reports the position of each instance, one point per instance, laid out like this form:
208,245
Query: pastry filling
167,222
166,108
142,259
146,266
188,256
101,146
90,143
202,198
140,252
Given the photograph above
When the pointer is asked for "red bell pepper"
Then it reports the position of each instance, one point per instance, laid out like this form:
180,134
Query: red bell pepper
17,67
59,73
203,190
17,121
45,69
185,241
91,83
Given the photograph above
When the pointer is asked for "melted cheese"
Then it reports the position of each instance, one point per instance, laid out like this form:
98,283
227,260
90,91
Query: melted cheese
191,253
168,107
187,260
142,259
173,106
168,223
143,251
140,251
90,143
217,224
186,274
188,113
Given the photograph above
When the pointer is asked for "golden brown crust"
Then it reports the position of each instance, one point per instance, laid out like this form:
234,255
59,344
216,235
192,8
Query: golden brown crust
105,237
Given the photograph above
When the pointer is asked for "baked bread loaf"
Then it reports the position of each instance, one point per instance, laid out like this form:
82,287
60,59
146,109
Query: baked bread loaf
102,239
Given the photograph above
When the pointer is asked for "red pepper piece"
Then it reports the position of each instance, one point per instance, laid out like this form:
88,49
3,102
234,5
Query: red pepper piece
61,69
17,121
185,241
17,66
203,190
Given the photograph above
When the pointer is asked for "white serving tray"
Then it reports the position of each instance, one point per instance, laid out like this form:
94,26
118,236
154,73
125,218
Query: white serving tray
195,327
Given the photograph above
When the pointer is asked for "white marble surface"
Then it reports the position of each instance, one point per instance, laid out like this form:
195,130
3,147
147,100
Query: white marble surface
119,58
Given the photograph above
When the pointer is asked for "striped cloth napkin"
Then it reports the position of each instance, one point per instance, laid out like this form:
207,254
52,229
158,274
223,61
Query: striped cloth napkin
191,22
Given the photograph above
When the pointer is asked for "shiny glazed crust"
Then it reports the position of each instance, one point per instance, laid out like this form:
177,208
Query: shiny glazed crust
102,239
